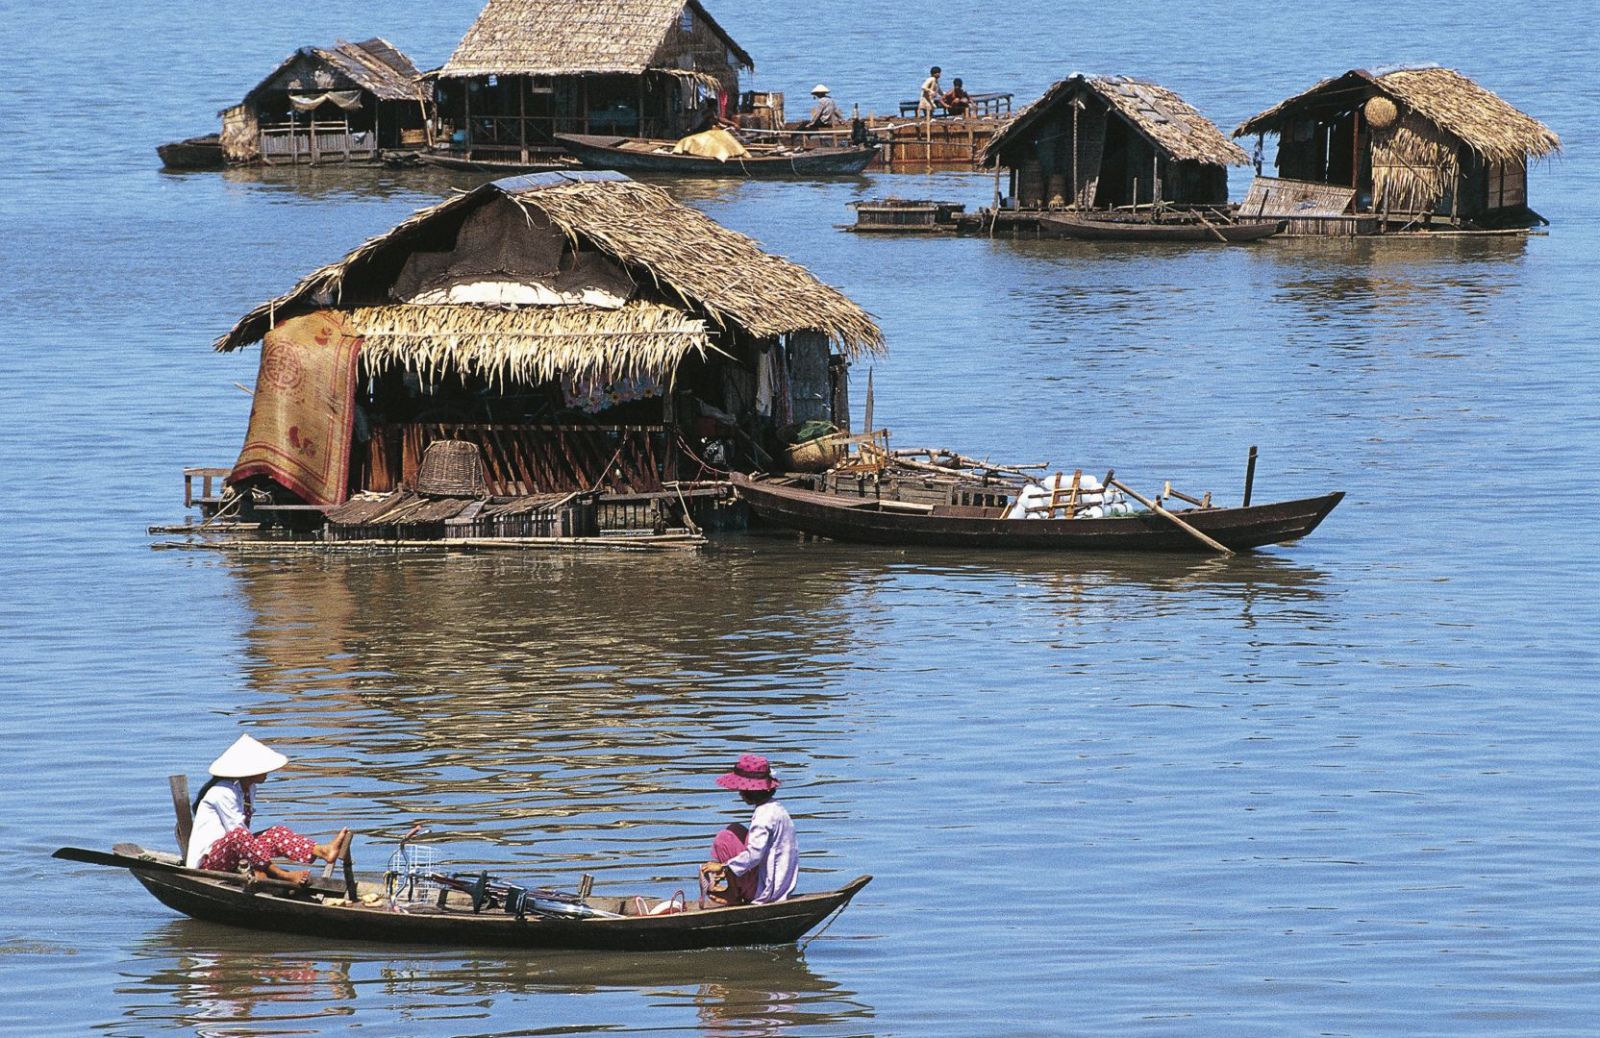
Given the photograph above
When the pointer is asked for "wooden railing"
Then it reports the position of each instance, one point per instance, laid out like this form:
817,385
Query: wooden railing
290,143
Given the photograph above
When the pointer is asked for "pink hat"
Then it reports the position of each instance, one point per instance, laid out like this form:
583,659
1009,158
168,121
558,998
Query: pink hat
751,773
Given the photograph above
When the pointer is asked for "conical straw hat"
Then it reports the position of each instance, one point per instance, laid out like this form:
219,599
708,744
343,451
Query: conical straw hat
247,757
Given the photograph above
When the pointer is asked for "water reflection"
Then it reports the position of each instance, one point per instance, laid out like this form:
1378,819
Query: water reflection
219,981
564,714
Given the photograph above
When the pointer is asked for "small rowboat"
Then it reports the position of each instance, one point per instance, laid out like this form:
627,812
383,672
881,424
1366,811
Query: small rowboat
222,897
1112,227
642,155
192,153
544,162
866,520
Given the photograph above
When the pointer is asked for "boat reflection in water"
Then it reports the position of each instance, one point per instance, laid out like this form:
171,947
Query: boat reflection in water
215,981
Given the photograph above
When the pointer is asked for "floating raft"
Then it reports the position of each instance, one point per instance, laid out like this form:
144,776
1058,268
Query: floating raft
406,515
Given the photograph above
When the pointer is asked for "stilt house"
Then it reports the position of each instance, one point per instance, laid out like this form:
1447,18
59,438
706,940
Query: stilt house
528,69
1097,142
1424,147
330,104
582,329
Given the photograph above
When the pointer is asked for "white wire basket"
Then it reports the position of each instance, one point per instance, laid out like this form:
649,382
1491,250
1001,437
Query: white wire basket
409,878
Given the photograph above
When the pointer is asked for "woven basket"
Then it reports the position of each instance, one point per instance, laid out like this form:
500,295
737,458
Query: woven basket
452,468
816,455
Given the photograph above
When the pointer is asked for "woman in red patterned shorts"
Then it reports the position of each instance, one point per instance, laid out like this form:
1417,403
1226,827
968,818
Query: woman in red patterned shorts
221,839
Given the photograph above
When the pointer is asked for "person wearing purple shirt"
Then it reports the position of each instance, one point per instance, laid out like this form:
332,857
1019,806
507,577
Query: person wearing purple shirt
761,861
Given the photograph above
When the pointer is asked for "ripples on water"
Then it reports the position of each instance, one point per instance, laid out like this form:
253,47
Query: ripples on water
1340,788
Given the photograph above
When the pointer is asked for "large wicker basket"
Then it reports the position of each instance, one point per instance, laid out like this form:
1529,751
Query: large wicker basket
816,455
452,468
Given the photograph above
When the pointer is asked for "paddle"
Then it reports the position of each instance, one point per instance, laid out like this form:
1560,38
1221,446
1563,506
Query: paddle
133,863
1219,235
1179,523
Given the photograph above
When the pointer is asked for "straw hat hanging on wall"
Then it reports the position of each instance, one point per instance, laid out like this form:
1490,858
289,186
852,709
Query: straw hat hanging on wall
1380,112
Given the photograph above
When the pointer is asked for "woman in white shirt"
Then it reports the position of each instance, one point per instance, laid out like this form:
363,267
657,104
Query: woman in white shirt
221,839
761,861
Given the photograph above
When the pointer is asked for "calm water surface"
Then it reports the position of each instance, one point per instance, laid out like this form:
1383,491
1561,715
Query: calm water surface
1342,788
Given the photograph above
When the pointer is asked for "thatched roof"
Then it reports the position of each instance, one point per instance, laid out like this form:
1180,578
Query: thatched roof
374,65
535,344
1170,123
1445,97
573,37
716,274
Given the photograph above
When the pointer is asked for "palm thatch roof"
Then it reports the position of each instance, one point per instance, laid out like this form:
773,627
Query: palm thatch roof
374,65
693,263
536,344
1479,118
1170,123
573,37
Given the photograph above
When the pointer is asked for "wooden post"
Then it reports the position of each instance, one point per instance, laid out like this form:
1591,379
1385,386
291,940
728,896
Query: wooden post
1074,204
1355,149
669,424
466,113
522,115
1209,542
1249,477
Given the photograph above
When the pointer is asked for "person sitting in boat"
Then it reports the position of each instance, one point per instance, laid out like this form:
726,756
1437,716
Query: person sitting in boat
825,113
956,100
759,862
710,119
221,839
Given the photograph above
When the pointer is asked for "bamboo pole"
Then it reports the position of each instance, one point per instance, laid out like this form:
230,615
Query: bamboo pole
1209,542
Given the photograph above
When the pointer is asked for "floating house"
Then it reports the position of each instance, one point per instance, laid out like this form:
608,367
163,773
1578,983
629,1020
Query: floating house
1369,152
1098,142
529,69
585,332
344,103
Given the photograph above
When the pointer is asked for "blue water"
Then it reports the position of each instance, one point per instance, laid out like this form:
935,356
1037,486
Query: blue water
1345,787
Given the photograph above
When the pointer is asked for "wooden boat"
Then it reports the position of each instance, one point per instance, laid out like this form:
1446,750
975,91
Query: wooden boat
228,898
870,520
192,153
643,155
544,162
1128,227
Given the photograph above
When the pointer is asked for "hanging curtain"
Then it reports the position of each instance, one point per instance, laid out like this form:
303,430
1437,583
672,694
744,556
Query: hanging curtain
349,100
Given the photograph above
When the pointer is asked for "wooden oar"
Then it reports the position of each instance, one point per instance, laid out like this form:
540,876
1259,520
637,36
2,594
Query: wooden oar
132,863
1209,542
1220,236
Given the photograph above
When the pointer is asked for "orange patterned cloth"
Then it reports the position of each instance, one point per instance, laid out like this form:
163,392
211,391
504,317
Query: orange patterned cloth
304,410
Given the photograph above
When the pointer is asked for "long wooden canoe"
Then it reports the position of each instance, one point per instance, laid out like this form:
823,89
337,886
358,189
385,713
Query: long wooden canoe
876,521
642,155
543,163
1131,228
225,898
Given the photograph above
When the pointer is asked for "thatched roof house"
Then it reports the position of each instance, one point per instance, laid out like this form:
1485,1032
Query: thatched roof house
369,91
1101,141
536,312
1407,144
528,69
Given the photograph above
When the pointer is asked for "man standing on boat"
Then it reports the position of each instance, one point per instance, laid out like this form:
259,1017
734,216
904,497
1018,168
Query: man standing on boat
761,861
